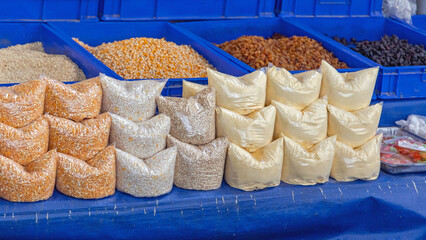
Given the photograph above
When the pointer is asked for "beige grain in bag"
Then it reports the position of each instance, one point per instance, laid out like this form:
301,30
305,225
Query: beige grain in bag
354,128
257,170
307,166
298,90
190,89
349,91
363,162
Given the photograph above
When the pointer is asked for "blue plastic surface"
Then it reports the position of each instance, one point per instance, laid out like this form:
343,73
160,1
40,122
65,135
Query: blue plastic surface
131,10
327,8
95,34
391,207
22,33
419,21
209,32
393,82
49,10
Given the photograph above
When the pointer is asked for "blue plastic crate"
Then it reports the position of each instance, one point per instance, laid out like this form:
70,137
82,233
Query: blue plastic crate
95,34
131,10
209,32
419,21
22,33
49,10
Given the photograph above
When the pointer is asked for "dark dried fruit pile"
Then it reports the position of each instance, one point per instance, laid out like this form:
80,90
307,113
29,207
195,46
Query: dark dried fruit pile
294,53
389,51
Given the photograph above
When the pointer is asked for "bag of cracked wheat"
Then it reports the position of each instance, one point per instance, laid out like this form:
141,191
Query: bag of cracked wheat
25,144
149,177
192,119
23,103
82,140
134,100
73,101
90,179
142,139
30,183
199,167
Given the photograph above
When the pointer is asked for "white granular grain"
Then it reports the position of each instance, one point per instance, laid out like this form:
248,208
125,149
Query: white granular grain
134,100
192,119
199,167
23,63
142,139
146,177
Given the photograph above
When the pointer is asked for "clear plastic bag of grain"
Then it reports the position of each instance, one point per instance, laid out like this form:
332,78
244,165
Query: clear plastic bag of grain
190,89
149,177
192,119
73,101
134,100
82,140
142,139
92,179
25,144
30,183
22,104
199,167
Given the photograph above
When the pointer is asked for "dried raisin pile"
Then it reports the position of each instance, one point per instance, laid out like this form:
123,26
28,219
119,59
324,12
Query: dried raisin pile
291,53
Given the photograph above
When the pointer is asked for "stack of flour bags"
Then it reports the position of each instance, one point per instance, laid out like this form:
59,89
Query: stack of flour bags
145,167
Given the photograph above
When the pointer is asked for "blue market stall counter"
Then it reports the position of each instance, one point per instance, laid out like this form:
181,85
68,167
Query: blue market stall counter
390,207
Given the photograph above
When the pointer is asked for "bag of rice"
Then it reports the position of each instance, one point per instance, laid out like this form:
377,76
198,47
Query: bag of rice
349,91
297,91
362,162
190,89
142,139
87,180
25,144
307,166
242,95
73,101
250,132
149,177
354,128
22,104
192,119
199,167
82,140
257,170
30,183
307,127
134,100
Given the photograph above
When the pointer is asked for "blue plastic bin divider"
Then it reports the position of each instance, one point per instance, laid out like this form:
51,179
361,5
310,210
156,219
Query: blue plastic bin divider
95,34
419,21
48,10
209,32
393,82
136,10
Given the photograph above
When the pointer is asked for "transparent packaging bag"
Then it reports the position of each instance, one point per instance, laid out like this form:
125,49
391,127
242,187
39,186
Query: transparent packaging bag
25,144
354,128
142,139
82,140
149,177
250,132
363,162
415,124
199,167
23,103
349,91
190,89
307,127
30,183
307,166
134,100
242,95
257,170
192,119
297,91
401,9
91,179
73,101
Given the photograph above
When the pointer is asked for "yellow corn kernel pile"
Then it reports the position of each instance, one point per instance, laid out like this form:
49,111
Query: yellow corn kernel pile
139,58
